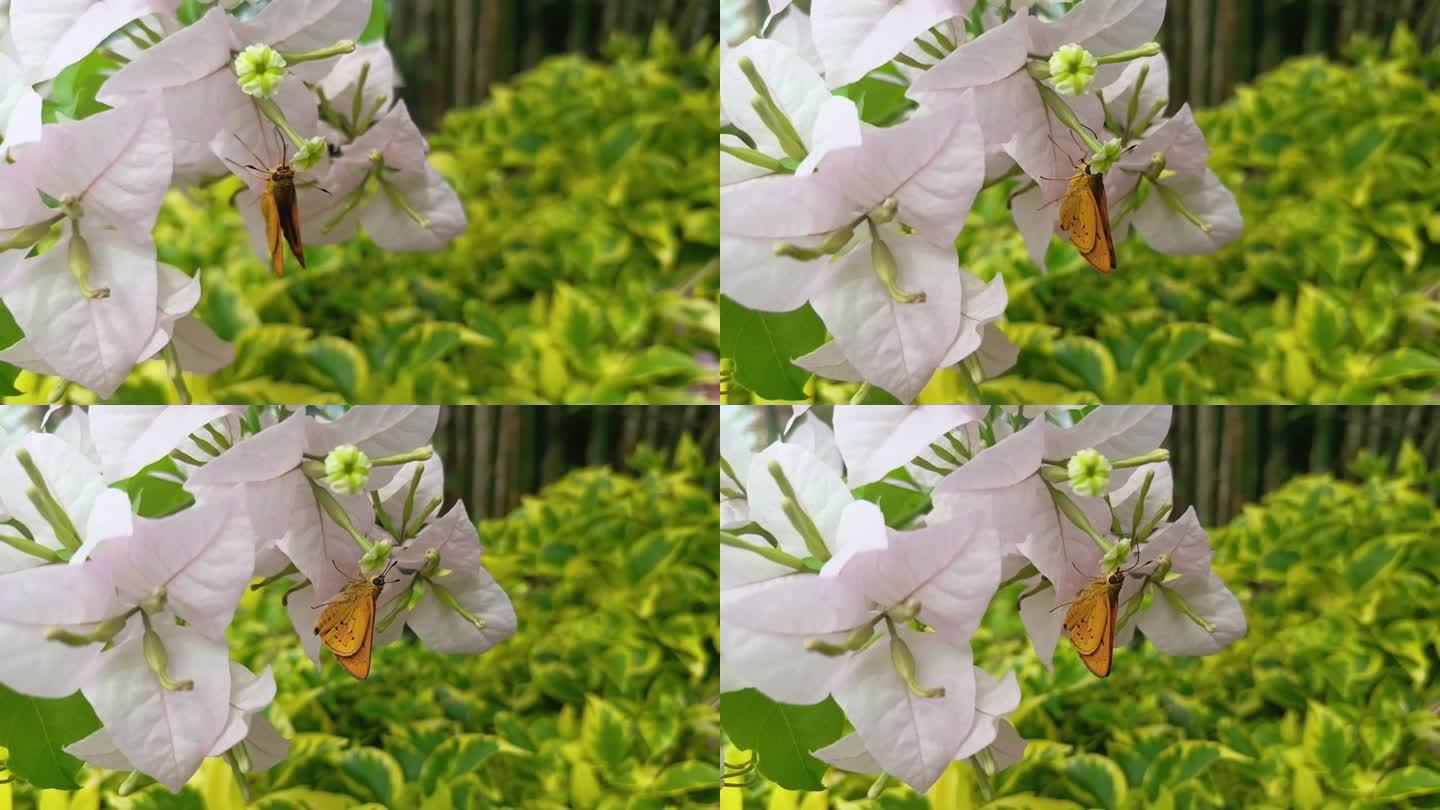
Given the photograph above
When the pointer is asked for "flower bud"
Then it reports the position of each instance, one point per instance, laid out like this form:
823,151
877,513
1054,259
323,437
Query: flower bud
1089,472
1102,160
159,661
347,470
1072,69
904,663
260,69
310,154
377,555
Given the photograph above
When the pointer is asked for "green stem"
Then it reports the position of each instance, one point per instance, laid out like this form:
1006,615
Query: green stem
755,158
176,373
418,454
45,503
272,111
397,199
1148,49
32,548
774,555
340,48
1076,516
1066,116
338,514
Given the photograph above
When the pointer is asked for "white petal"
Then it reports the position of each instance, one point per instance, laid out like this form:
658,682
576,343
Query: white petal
1174,633
444,630
912,738
897,347
165,734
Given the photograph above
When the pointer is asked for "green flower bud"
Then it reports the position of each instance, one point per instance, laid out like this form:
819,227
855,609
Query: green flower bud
1089,472
1102,160
347,470
1072,69
260,70
310,154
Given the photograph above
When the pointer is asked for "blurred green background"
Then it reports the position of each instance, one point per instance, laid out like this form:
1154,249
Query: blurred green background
580,136
605,698
1330,701
1326,127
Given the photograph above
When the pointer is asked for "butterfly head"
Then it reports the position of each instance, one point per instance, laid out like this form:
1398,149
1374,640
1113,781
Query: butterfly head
379,579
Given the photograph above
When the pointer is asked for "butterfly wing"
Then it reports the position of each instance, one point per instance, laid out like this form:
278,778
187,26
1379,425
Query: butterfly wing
1090,623
1087,618
1078,213
1102,255
270,208
287,207
358,665
343,625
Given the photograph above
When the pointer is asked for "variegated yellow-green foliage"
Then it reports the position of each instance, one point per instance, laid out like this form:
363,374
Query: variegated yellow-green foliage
1329,296
605,698
1330,701
588,272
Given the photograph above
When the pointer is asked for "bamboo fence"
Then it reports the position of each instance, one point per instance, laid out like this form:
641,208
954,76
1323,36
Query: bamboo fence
496,455
1213,45
451,51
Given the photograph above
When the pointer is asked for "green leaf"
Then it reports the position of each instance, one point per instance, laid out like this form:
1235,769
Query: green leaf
1406,783
764,346
1403,364
1099,780
374,773
379,21
685,777
1089,361
1320,320
72,92
454,758
896,503
1327,739
36,732
155,491
1183,761
782,735
605,732
1029,801
305,799
340,365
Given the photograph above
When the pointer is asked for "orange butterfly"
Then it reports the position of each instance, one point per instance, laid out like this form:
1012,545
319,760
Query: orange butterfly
1090,621
1085,217
348,624
280,207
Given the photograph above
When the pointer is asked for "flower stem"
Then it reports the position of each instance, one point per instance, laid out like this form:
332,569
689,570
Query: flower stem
774,555
177,374
32,548
272,111
338,514
1066,116
340,48
45,503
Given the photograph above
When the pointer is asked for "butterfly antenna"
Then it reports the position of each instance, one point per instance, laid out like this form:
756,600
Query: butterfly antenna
284,147
259,173
1062,149
1062,604
258,159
